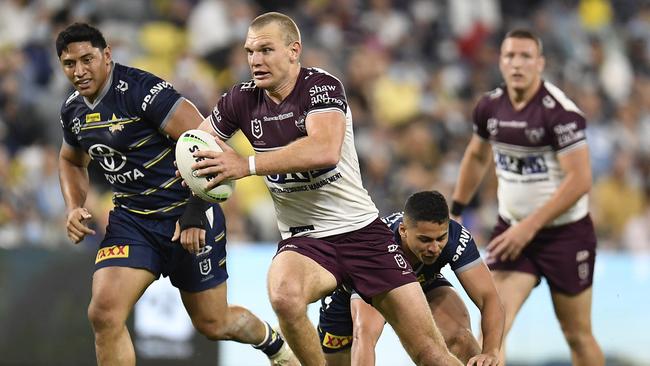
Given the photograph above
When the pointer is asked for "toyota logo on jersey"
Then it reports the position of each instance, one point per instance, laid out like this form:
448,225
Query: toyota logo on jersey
110,159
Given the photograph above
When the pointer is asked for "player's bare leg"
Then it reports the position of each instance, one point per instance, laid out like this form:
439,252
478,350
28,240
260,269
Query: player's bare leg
364,354
406,310
514,288
341,358
213,317
453,321
294,281
114,292
574,314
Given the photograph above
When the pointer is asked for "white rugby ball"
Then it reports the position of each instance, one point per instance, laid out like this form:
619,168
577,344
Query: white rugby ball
188,143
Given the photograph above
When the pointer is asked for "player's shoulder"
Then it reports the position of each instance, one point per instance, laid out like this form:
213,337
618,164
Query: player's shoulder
458,233
70,101
393,220
246,90
494,95
490,98
127,79
555,101
71,108
131,73
316,76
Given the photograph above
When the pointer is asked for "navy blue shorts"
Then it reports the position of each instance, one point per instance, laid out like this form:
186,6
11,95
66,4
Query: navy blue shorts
335,322
137,242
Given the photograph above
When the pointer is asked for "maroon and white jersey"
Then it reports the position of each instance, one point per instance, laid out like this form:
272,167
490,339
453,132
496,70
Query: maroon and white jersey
526,145
315,203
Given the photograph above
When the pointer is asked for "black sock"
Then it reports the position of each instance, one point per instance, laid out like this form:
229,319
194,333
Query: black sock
272,343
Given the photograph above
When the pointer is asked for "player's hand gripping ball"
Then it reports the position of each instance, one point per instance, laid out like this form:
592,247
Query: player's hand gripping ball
188,143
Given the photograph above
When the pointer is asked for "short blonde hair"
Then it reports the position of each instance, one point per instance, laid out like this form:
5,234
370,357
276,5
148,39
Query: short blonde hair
287,25
526,34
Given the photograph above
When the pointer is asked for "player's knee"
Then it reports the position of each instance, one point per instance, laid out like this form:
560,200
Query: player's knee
576,338
213,328
463,344
364,334
288,305
428,356
103,317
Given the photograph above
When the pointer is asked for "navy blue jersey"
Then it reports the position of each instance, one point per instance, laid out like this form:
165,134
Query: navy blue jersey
122,131
460,253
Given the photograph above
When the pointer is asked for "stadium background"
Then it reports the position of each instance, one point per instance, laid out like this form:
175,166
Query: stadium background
412,71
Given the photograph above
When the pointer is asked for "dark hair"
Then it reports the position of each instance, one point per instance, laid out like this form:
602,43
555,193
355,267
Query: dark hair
426,206
287,25
79,32
525,34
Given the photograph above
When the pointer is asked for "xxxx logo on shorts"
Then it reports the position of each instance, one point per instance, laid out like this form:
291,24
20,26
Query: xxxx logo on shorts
115,251
335,342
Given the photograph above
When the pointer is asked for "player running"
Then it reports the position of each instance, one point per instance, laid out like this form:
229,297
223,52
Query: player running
127,121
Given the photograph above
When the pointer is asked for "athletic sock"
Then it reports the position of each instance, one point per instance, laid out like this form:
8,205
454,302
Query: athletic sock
272,341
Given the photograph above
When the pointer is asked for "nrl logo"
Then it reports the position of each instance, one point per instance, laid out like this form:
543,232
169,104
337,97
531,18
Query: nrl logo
401,262
205,266
256,128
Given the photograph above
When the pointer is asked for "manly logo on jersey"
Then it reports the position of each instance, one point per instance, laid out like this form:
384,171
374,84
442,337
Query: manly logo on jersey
300,123
256,128
548,102
535,135
493,126
110,159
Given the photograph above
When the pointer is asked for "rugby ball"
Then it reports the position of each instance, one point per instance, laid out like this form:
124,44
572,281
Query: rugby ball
188,143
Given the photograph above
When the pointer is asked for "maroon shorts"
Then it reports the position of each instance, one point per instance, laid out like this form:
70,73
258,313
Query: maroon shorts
564,255
367,259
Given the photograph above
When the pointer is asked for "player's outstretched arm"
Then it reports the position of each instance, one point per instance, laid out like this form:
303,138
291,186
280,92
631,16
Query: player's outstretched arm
473,168
477,282
73,176
367,325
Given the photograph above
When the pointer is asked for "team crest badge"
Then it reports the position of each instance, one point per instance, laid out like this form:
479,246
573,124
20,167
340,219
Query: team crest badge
122,86
300,124
493,126
205,266
116,127
401,262
76,125
534,135
256,128
548,102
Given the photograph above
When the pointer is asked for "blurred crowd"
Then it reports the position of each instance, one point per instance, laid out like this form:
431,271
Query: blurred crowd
412,69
